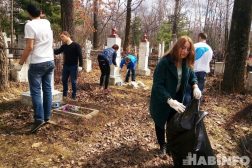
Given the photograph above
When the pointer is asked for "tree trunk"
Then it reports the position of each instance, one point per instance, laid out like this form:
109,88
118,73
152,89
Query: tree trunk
233,79
67,16
226,26
206,17
3,64
95,34
175,18
128,25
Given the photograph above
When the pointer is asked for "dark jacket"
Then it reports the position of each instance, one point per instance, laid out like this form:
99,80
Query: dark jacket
165,81
72,54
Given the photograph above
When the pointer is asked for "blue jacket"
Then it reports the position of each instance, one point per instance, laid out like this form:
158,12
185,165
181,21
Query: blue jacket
131,64
110,55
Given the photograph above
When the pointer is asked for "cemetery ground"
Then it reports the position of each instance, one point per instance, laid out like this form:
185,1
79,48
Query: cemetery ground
121,135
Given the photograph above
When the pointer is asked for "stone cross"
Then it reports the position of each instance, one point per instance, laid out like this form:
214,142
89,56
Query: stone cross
159,51
163,48
143,57
87,60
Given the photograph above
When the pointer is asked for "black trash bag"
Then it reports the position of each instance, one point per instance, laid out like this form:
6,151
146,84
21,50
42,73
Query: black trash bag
187,139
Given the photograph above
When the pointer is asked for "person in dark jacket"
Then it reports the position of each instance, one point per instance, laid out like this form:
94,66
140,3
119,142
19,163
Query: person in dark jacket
171,76
105,59
130,61
72,64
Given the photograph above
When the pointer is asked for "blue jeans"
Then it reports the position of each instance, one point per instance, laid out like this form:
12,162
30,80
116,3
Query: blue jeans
133,75
40,74
201,77
71,71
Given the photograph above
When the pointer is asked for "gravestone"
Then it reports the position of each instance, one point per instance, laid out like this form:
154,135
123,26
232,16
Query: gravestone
7,41
159,51
219,68
115,76
163,48
57,96
143,57
87,61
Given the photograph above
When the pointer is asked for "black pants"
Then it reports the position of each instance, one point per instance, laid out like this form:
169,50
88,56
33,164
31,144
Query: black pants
105,71
160,131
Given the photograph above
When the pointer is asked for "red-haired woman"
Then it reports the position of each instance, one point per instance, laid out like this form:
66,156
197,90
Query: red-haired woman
172,74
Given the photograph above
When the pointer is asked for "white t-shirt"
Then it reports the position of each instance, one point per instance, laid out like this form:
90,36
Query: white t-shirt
40,30
203,56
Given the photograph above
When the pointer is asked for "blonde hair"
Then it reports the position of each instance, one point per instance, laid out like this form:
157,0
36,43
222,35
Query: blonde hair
174,52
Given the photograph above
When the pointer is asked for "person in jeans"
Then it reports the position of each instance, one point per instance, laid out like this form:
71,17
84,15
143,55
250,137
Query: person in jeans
39,49
72,64
130,61
203,56
172,75
105,59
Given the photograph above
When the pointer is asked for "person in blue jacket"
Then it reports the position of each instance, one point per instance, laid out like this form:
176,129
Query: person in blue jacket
105,59
130,61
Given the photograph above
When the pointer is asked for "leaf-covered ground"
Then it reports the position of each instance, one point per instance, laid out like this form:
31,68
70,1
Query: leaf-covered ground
122,135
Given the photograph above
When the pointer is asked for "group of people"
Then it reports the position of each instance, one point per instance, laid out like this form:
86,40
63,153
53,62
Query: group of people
179,77
39,49
108,57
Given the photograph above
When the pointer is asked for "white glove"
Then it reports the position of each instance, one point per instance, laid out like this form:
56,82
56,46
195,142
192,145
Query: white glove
17,66
79,69
197,93
179,107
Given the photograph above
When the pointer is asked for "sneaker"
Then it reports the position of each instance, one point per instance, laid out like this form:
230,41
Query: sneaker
36,125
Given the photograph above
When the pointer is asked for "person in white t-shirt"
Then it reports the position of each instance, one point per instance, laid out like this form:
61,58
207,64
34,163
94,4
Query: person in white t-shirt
39,49
203,56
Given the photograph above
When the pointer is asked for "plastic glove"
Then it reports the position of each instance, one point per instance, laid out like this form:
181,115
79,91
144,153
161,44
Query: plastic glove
196,93
79,69
17,66
179,107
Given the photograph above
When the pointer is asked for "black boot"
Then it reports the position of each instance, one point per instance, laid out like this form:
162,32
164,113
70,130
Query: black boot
168,149
163,149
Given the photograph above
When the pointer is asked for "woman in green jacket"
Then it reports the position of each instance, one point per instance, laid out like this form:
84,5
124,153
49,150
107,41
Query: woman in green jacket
172,74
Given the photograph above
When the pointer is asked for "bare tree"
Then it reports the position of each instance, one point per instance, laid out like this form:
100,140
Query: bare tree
233,79
3,64
175,18
67,16
128,25
226,25
96,24
3,55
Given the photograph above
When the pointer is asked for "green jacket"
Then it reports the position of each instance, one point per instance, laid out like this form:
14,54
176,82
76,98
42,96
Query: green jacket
165,81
